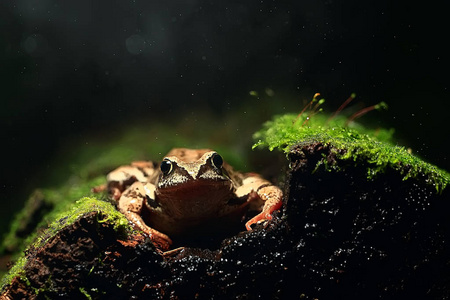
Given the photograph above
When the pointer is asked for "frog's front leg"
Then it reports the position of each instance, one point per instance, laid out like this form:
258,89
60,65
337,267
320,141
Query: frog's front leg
132,204
260,193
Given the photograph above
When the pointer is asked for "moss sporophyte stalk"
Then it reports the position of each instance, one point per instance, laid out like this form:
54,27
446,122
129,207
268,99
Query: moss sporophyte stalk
348,140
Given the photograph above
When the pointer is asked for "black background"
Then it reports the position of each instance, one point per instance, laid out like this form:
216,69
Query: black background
69,68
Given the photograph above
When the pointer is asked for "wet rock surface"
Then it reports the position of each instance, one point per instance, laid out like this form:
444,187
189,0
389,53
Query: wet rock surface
367,239
339,236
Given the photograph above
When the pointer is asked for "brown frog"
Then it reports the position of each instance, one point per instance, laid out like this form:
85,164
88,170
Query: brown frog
191,190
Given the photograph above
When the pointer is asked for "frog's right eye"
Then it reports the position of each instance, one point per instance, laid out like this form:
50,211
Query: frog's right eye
166,166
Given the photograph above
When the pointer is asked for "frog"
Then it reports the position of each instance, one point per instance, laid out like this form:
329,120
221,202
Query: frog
189,191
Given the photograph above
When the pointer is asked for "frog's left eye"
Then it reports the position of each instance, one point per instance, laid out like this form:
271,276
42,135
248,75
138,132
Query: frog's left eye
217,161
166,166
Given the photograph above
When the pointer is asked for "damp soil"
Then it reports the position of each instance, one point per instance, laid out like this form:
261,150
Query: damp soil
339,235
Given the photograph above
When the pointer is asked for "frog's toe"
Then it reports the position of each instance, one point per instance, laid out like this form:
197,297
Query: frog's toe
258,219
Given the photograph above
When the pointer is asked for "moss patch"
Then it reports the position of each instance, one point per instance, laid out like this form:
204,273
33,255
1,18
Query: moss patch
351,142
43,207
16,271
106,213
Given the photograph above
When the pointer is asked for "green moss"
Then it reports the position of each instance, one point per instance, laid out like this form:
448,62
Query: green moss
16,271
350,142
53,202
106,212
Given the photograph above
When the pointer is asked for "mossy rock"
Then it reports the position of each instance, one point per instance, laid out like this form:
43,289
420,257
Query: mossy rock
362,219
373,149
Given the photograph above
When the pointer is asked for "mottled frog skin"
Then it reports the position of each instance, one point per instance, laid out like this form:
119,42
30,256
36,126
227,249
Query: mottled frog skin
189,190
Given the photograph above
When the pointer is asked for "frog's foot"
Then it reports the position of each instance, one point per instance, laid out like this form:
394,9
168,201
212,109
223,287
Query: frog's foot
259,218
99,188
113,192
271,195
161,241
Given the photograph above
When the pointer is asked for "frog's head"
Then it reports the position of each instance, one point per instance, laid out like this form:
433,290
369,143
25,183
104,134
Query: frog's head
193,182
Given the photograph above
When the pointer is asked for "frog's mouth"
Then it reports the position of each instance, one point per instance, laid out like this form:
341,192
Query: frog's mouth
196,188
186,185
195,199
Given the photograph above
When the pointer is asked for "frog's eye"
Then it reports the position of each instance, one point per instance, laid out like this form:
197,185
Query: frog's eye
166,166
217,161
